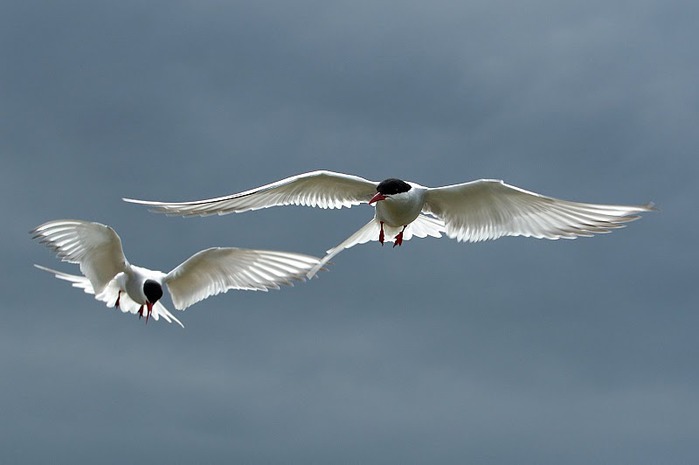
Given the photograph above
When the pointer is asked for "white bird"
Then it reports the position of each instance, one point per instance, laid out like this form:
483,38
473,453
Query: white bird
112,279
472,211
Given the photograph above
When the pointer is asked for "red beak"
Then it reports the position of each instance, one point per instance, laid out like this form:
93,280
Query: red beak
377,197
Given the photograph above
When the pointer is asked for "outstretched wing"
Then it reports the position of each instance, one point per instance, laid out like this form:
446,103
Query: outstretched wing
324,189
489,209
216,270
94,246
110,294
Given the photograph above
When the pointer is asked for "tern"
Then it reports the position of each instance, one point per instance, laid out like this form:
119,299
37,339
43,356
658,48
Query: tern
97,249
473,211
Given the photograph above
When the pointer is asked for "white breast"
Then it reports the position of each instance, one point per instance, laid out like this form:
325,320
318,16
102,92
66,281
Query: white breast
401,209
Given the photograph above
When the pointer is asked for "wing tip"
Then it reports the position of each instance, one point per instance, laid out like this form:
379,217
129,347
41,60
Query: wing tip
44,268
140,202
650,206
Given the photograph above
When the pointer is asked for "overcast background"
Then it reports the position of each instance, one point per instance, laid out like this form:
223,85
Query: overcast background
516,351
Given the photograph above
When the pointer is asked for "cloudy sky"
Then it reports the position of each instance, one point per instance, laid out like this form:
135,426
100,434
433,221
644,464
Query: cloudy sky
516,351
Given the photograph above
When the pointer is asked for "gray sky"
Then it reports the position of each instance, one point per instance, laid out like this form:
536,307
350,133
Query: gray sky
514,351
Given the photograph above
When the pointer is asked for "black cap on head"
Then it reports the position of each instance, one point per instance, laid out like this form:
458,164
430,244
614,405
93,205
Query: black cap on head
392,186
152,290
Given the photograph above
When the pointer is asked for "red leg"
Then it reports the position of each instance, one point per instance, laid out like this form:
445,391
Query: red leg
150,310
381,235
140,312
399,237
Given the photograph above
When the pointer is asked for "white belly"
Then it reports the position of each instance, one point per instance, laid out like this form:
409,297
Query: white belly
400,210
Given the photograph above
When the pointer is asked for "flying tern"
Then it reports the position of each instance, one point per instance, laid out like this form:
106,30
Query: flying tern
474,211
97,249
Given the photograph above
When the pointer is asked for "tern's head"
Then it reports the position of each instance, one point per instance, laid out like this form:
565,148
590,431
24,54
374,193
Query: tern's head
389,187
153,290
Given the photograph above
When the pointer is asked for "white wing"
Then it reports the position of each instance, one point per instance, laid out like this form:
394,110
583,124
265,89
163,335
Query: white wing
324,189
110,293
423,226
94,246
217,270
489,208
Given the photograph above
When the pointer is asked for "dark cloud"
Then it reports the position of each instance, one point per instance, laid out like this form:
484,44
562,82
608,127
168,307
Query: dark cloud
515,351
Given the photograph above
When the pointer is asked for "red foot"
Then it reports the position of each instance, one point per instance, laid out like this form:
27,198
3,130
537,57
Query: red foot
381,235
150,310
398,240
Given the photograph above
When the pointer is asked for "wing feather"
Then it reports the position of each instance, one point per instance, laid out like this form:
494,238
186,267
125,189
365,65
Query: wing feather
216,270
94,246
489,209
323,189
